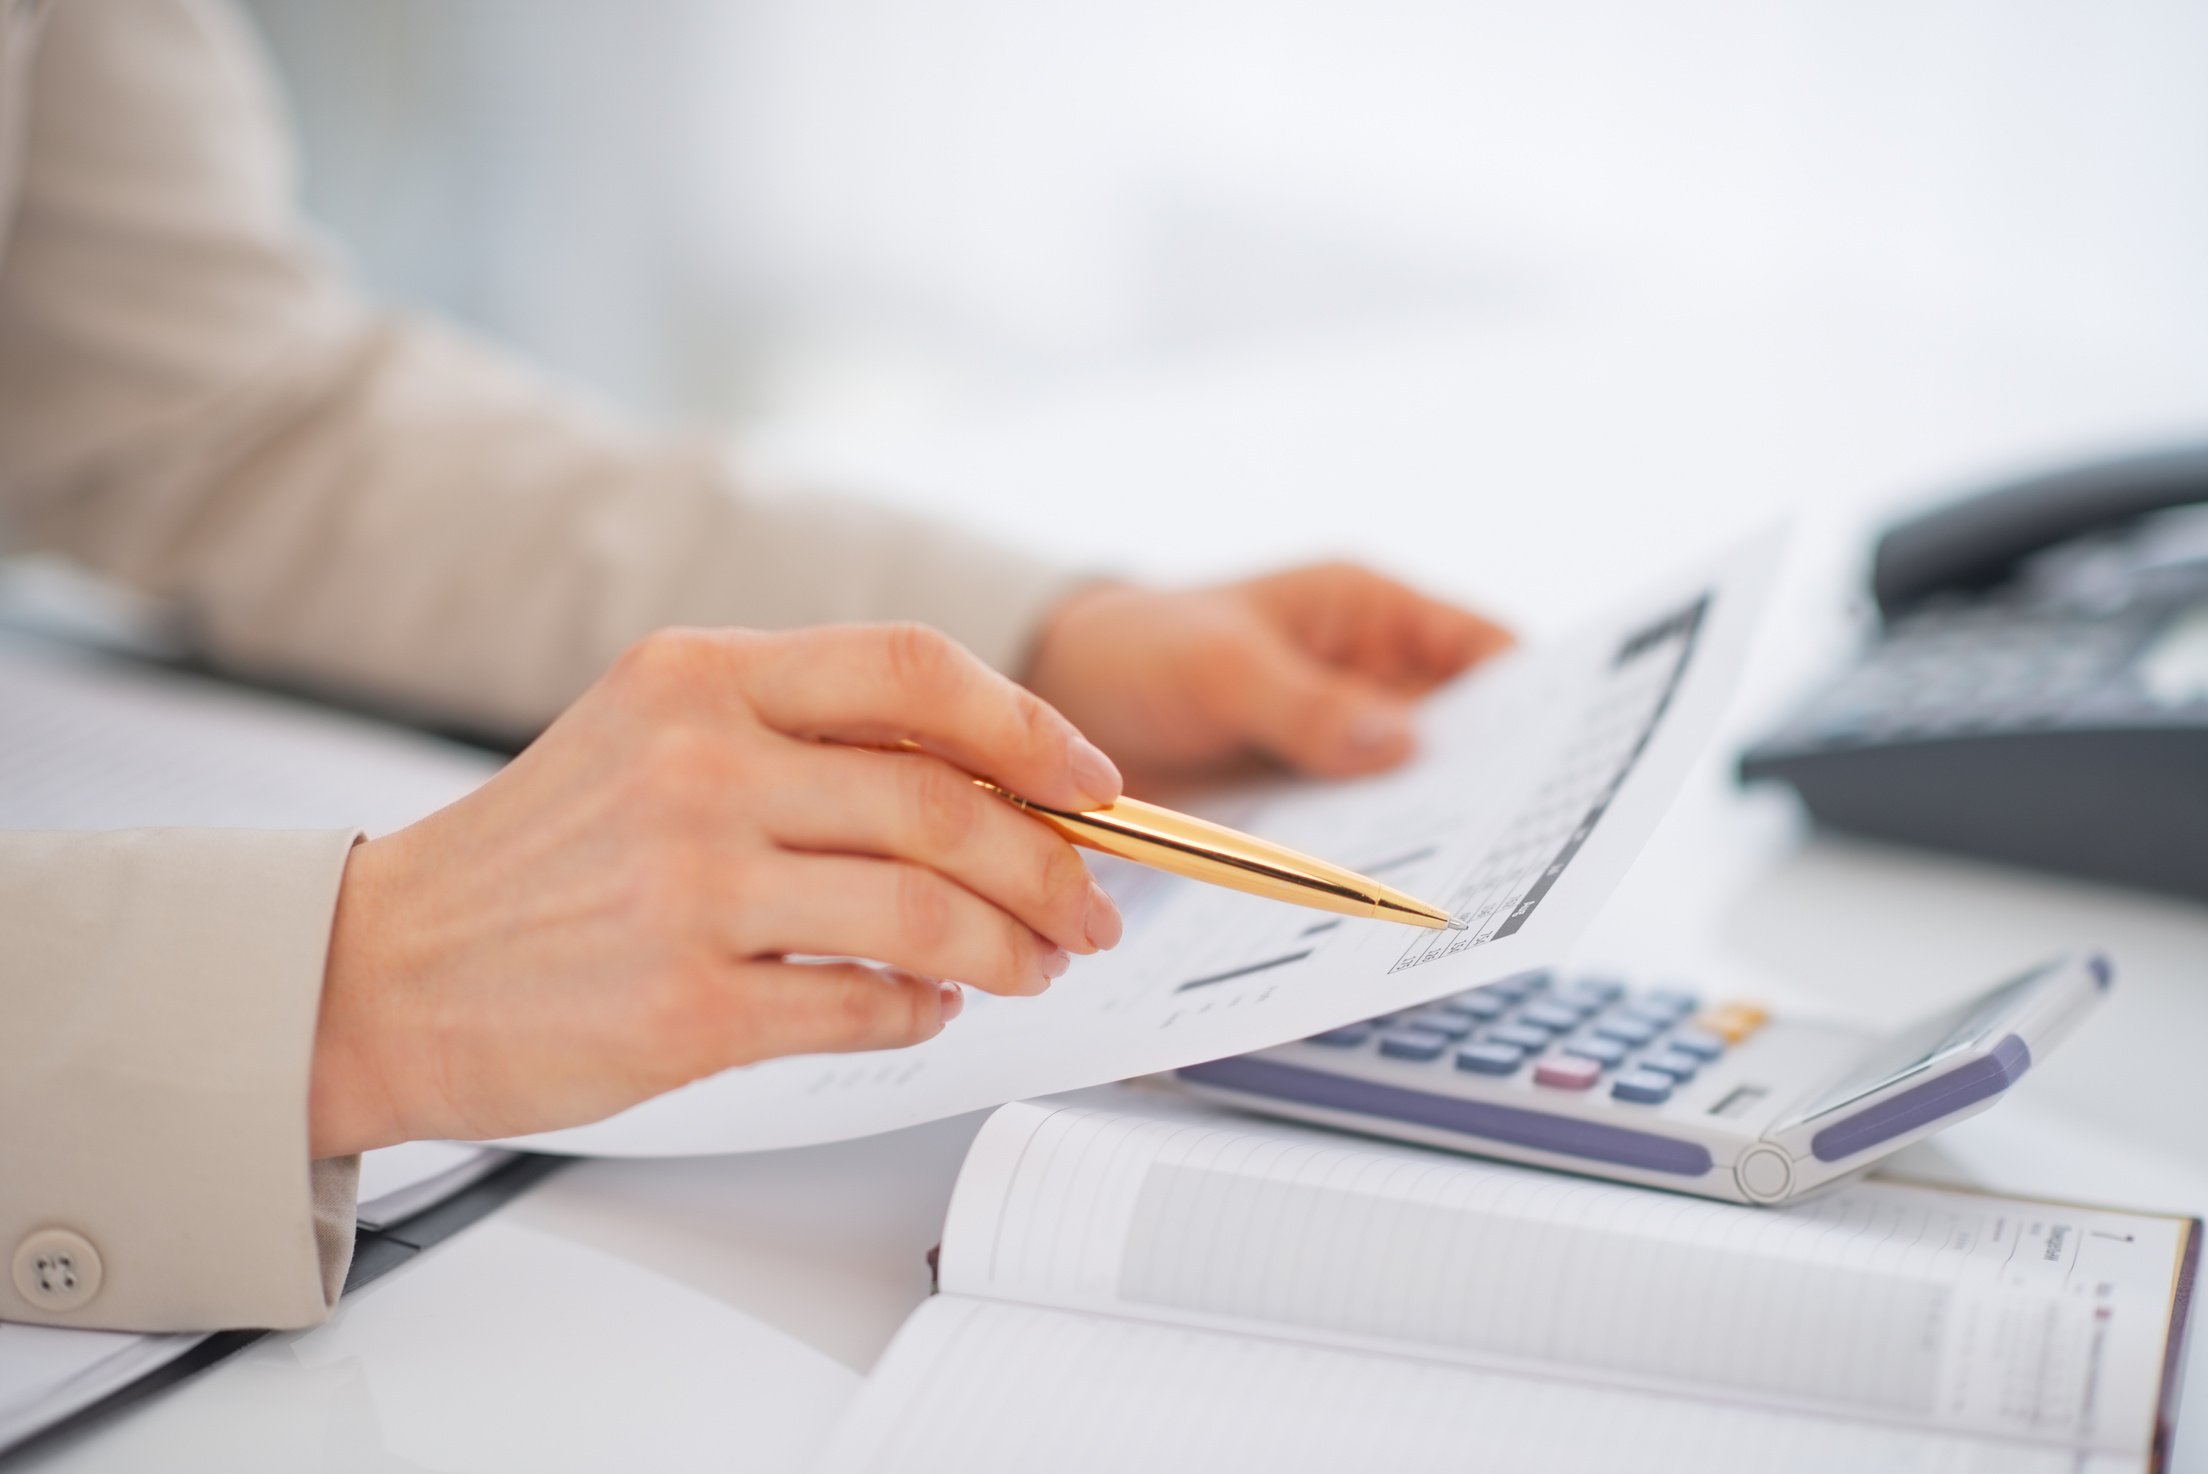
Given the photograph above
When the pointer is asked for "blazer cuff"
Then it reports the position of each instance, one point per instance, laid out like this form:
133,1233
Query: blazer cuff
161,993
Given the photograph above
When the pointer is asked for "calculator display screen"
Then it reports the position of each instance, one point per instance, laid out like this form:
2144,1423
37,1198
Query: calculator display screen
1916,1049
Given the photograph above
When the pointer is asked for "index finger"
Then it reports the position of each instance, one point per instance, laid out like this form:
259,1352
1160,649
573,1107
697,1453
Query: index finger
882,684
1447,639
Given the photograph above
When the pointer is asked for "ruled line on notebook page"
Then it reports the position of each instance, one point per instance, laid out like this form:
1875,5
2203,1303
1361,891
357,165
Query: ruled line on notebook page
1886,1300
985,1386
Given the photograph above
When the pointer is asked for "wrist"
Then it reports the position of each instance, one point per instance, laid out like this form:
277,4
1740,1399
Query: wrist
350,1106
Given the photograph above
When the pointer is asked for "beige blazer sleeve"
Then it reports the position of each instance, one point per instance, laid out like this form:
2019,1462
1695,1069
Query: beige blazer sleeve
193,401
160,992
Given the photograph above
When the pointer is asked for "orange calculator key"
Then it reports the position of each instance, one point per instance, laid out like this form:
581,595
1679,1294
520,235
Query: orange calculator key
1733,1022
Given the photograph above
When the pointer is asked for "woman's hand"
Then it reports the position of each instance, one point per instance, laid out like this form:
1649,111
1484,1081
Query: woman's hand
614,914
1316,668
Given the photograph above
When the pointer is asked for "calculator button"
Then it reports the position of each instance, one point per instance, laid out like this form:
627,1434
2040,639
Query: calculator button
1604,1052
1567,1072
1519,1036
1643,1087
1625,1028
1702,1046
1554,1017
1490,1058
1680,1067
1450,1026
1601,990
1516,988
1732,1022
1412,1044
1348,1036
1657,1014
1678,1000
1478,1005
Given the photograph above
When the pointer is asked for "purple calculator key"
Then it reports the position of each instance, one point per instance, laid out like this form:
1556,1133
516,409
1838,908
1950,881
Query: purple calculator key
1680,1067
1626,1028
1412,1044
1643,1087
1490,1058
1604,1052
1554,1017
1451,1026
1479,1005
1344,1037
1519,1036
1700,1043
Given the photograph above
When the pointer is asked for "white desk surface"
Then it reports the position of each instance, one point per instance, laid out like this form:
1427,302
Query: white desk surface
715,1313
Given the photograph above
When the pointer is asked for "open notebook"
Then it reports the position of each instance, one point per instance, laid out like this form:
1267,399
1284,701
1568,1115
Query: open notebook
1130,1281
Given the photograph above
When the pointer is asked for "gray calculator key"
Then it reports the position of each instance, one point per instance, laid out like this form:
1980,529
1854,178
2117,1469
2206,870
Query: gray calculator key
1700,1043
1553,1016
1604,1052
1626,1028
1412,1044
1516,988
1643,1087
1451,1026
1478,1005
1519,1036
1490,1058
1680,1067
1602,990
1678,1000
1343,1038
1656,1015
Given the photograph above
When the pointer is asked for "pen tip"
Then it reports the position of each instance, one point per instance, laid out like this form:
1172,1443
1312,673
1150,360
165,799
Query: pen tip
1458,923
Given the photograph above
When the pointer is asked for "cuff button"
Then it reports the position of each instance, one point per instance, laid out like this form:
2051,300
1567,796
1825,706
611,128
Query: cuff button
57,1270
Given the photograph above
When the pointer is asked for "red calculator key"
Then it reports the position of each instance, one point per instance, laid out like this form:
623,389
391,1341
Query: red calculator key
1567,1072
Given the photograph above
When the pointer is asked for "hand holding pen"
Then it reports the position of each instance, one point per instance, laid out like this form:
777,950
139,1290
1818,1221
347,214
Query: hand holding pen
628,905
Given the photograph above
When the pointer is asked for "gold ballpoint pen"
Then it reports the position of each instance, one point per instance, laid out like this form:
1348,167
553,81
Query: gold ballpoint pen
1201,850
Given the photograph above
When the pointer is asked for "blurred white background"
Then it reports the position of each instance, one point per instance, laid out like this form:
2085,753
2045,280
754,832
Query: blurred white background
1086,272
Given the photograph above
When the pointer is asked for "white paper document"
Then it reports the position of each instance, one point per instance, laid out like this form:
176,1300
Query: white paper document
1540,775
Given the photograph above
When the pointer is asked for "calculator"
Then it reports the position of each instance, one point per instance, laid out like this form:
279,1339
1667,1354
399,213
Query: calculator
1659,1086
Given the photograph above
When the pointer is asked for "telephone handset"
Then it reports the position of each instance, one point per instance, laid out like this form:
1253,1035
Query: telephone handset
2038,690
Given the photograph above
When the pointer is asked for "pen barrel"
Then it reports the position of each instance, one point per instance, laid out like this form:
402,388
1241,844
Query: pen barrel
1165,840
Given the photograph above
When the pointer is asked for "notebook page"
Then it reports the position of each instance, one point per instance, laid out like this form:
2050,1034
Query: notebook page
985,1386
1880,1300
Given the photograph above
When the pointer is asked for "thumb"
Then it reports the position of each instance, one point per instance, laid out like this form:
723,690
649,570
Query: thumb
1319,719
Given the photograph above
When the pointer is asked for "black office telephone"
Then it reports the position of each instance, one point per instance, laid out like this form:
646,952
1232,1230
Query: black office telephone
2038,690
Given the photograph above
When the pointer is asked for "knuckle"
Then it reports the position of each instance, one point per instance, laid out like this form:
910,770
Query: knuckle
1016,954
683,763
673,1014
918,657
943,808
859,1007
1063,884
663,657
1035,725
923,908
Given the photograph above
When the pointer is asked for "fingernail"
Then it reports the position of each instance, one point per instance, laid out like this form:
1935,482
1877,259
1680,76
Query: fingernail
1378,727
1102,926
1056,961
1093,773
954,1000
